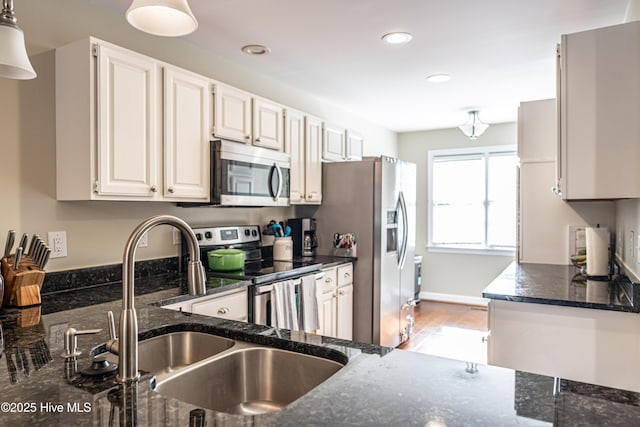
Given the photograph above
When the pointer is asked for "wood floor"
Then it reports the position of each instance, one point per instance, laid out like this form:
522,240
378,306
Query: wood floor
454,331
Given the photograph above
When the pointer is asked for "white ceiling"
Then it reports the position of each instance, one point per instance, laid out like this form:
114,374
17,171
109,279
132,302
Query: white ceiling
498,52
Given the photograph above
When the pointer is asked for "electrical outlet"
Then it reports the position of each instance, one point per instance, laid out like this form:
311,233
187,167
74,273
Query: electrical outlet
620,244
176,237
57,243
632,242
144,241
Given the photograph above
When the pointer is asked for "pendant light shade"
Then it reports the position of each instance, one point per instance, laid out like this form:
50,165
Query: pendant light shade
474,127
14,62
169,18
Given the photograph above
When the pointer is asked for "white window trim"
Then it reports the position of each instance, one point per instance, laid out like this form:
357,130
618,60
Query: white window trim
484,150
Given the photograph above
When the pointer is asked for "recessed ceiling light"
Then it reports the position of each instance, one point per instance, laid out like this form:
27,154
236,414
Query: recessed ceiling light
397,38
255,49
438,78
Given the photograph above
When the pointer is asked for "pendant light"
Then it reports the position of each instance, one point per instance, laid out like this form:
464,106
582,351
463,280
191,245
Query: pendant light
474,127
169,18
14,62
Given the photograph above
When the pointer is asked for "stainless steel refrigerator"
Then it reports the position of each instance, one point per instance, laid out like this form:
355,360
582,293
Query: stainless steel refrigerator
376,199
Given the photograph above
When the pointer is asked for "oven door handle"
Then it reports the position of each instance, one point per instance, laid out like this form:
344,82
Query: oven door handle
263,289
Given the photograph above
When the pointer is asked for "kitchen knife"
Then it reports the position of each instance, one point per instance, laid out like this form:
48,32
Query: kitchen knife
37,251
23,242
32,245
11,236
45,258
18,258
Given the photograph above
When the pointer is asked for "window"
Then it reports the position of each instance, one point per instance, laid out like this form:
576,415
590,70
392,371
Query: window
472,199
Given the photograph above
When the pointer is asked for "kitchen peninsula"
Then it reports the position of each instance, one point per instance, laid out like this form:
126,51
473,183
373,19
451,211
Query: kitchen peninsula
378,386
551,320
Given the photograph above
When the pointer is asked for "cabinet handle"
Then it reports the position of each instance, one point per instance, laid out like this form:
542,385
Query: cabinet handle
347,275
154,189
340,292
327,280
247,137
172,190
257,139
223,310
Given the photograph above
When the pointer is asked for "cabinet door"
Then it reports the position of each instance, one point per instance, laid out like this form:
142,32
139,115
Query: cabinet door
127,124
599,110
231,305
354,145
268,124
327,314
295,147
344,312
186,135
313,160
232,113
333,144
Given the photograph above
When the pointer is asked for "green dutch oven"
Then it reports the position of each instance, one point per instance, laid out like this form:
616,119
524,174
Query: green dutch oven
226,259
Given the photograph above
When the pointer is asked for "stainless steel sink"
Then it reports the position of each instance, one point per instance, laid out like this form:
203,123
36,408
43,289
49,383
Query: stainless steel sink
164,354
248,379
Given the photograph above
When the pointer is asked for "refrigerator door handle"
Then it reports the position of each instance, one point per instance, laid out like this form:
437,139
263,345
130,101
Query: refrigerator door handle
405,231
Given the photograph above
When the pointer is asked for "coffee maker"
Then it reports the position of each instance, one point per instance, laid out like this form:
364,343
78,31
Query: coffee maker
303,234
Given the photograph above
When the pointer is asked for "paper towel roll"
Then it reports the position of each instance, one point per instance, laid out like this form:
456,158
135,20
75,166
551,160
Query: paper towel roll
597,240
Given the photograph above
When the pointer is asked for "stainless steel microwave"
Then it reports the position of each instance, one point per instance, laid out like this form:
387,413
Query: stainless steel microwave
244,175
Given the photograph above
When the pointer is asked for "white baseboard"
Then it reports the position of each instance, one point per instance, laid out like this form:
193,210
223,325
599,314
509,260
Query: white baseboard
458,299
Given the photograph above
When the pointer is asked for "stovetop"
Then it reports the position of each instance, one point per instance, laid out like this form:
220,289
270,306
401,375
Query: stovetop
267,271
259,267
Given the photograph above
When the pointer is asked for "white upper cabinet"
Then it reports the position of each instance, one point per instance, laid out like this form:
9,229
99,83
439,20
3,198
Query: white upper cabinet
354,142
303,140
239,116
333,144
268,122
599,106
114,140
187,115
127,124
232,113
340,144
313,159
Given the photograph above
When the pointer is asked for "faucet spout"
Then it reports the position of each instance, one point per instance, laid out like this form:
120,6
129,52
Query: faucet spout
196,283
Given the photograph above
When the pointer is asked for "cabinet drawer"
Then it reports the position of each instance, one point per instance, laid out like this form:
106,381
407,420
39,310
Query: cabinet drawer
345,274
230,306
329,281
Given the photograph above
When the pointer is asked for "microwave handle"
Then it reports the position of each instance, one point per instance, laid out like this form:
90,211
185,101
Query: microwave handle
279,172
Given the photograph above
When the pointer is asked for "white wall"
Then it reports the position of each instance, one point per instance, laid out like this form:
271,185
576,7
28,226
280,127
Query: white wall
97,231
445,273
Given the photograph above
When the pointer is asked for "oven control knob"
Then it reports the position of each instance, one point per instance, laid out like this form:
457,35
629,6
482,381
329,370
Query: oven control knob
254,233
198,237
207,235
247,232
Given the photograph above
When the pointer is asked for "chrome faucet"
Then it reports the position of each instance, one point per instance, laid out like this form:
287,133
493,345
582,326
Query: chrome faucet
127,345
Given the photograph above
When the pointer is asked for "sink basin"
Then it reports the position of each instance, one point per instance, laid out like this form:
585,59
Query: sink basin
249,380
164,354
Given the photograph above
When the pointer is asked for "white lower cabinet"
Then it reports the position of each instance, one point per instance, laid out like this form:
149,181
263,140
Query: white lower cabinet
335,302
227,305
582,344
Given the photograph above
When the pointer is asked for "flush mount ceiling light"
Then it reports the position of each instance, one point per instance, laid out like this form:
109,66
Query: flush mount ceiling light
255,49
438,78
397,38
474,127
169,18
14,62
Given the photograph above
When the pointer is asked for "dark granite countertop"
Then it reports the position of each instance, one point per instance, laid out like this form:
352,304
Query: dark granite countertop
377,387
562,285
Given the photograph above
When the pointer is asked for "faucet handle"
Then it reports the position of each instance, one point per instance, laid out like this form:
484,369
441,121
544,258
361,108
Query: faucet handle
71,341
112,326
